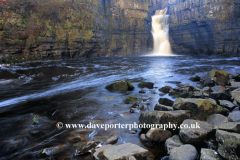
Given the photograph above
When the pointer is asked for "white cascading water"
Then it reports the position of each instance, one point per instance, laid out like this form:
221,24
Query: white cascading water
160,29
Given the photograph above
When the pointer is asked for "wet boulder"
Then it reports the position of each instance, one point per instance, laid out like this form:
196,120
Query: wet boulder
120,86
51,151
218,89
172,142
165,101
221,96
143,138
235,115
98,150
236,77
236,95
194,131
228,144
217,119
160,107
208,154
163,117
158,135
148,85
227,104
112,140
74,139
144,90
88,146
123,151
165,89
230,127
130,99
184,152
216,77
195,79
199,108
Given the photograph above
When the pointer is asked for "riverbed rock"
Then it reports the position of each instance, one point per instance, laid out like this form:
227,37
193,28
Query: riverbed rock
165,101
216,77
218,89
217,119
51,151
98,150
112,140
88,146
130,99
235,115
195,79
158,135
165,89
199,108
120,86
74,139
172,142
163,117
196,131
160,107
221,96
123,151
144,90
148,85
236,77
209,154
230,127
236,95
143,138
184,152
227,104
228,144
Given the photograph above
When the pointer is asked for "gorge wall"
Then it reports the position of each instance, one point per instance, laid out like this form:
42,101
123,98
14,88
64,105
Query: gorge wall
58,29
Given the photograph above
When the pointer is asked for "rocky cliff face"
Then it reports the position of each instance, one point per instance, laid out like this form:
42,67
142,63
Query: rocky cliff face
204,26
42,29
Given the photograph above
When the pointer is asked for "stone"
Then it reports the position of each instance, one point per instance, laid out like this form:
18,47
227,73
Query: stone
123,151
74,139
135,105
236,95
112,140
158,135
51,151
133,132
236,77
133,110
131,158
173,82
120,86
160,107
230,127
184,152
98,150
228,144
216,77
235,115
163,117
148,85
144,90
218,89
130,99
206,90
235,85
227,104
209,154
165,89
195,79
153,91
199,108
86,147
217,119
220,96
143,138
172,142
165,101
195,132
198,94
174,94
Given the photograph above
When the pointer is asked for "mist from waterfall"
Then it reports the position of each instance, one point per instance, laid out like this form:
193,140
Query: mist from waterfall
160,30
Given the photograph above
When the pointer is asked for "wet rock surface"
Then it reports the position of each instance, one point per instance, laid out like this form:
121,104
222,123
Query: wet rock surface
207,154
189,151
158,135
172,142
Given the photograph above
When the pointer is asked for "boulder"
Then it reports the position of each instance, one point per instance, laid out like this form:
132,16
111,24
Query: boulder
131,158
123,151
236,95
88,146
216,77
130,99
165,101
228,144
148,85
165,89
194,131
209,154
158,135
217,119
220,96
234,85
163,117
120,86
172,142
74,139
144,90
227,104
236,77
206,90
184,152
230,127
199,108
160,107
112,140
195,79
143,138
51,151
98,150
235,115
218,89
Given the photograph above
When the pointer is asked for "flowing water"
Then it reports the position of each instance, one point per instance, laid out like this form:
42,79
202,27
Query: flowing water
73,91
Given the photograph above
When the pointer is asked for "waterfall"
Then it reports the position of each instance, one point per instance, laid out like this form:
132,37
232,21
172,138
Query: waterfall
160,29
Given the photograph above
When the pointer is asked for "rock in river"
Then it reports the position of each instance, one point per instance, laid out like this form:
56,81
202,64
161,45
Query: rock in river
228,144
216,77
217,119
184,152
148,85
209,154
165,101
230,127
112,140
85,148
120,86
130,99
236,95
172,142
227,104
55,150
160,107
195,131
165,89
158,135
